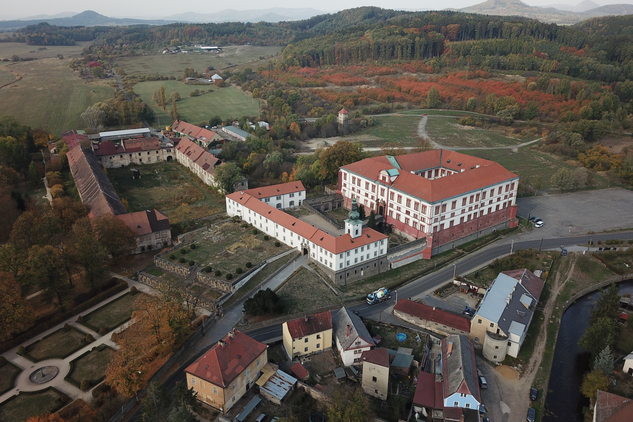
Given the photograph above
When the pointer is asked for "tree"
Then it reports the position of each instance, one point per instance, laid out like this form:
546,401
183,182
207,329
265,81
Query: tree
156,403
46,268
34,173
349,407
371,222
604,361
93,117
183,396
114,235
226,175
182,414
600,334
67,211
607,305
361,211
49,417
338,155
563,179
264,302
392,148
592,382
161,97
174,111
88,253
16,313
434,99
175,96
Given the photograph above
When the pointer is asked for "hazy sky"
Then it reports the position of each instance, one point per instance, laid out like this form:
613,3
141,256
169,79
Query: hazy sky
159,8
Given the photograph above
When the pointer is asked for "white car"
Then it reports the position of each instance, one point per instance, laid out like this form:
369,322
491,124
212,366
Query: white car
539,224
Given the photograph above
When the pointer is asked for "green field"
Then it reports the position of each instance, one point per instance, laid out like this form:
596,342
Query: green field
50,95
529,162
6,76
224,102
175,64
25,405
446,131
402,129
36,52
165,186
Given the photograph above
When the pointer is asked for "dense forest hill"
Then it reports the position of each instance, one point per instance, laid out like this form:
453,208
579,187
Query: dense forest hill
546,14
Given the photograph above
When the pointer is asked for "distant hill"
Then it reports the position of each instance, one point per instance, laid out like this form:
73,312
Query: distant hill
274,14
548,14
579,8
86,18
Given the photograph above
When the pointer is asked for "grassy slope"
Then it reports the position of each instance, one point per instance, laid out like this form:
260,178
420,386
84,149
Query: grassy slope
50,95
223,102
6,76
447,131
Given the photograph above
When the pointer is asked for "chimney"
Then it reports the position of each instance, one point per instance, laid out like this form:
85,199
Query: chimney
349,329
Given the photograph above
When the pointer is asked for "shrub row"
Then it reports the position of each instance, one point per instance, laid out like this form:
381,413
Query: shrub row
50,323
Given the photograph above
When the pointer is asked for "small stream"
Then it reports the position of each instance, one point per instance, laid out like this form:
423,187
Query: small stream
564,401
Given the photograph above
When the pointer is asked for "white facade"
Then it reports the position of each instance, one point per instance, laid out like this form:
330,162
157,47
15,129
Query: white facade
352,354
628,364
287,200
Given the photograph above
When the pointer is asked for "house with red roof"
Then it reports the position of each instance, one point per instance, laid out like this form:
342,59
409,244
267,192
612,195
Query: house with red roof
201,136
281,196
375,380
343,116
308,335
612,408
121,153
227,370
431,318
444,196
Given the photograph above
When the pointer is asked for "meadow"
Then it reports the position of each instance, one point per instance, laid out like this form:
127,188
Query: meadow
224,102
40,52
445,130
50,95
175,64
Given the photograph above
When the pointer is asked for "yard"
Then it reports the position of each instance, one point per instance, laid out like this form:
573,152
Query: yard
8,372
165,187
530,259
90,366
304,291
50,95
388,338
224,102
25,405
58,344
228,246
111,315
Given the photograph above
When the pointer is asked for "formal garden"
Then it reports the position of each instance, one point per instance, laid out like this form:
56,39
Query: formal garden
8,373
26,404
57,345
110,316
88,370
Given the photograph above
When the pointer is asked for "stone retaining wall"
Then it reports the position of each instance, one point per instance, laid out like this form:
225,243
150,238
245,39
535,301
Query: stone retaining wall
173,267
208,304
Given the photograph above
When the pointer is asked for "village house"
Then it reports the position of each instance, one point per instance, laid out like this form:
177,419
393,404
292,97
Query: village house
343,117
227,370
444,196
235,132
121,153
351,336
152,229
196,159
612,408
375,380
359,253
431,319
501,322
202,136
308,335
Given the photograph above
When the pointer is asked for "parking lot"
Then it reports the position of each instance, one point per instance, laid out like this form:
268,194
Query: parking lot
579,213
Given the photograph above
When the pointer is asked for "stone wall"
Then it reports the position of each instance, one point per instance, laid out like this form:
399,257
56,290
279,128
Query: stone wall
208,304
214,282
173,267
358,272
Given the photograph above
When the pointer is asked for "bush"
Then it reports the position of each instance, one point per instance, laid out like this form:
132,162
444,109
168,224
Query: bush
64,398
248,265
133,290
193,246
238,270
255,231
67,327
3,361
630,241
244,225
85,385
229,276
103,331
89,338
191,263
208,269
277,244
236,218
266,237
172,256
182,260
80,318
183,251
264,302
21,350
218,273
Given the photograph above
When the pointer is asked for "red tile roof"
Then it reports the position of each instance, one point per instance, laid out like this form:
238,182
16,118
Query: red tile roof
343,111
299,371
198,155
428,313
378,357
274,190
193,130
334,244
527,278
142,144
227,359
146,222
425,390
308,325
477,173
613,408
73,139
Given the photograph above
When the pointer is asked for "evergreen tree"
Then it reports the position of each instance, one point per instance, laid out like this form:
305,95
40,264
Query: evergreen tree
607,306
155,404
371,222
433,99
604,361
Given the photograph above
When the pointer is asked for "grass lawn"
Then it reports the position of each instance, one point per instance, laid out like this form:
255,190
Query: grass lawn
165,186
7,375
227,246
25,405
447,131
175,64
304,291
111,315
90,366
50,95
402,129
59,344
224,102
529,162
389,340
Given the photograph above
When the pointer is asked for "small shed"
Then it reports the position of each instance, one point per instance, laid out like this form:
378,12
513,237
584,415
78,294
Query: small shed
274,385
216,77
299,371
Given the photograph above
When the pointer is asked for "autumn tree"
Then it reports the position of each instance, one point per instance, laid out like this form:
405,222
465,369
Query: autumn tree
49,417
338,155
34,227
16,313
563,179
392,148
67,211
114,235
93,117
46,268
433,98
349,407
592,382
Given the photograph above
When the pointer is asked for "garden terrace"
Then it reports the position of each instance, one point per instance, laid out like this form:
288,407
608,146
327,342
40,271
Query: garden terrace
89,367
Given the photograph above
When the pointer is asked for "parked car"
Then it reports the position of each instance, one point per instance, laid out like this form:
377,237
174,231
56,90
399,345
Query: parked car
533,394
485,420
539,224
533,218
482,382
531,415
469,311
482,409
262,417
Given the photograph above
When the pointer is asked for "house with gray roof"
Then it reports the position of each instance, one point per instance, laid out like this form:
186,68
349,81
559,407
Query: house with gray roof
351,336
459,372
504,315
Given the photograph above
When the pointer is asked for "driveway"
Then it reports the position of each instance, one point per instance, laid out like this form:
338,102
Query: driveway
579,213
